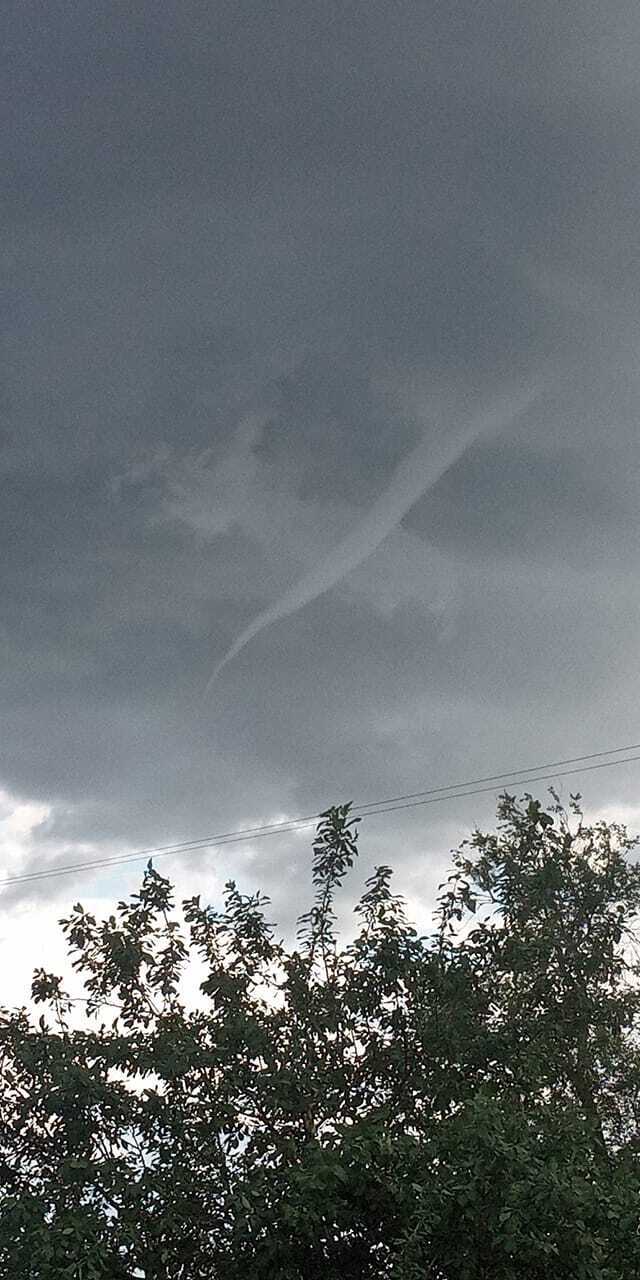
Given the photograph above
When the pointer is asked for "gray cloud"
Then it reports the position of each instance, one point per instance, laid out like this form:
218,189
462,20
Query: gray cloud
323,220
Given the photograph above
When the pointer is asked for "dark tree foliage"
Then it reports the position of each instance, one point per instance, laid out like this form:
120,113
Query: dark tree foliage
462,1106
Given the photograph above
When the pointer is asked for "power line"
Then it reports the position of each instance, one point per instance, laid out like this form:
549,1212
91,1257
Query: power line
365,808
410,800
543,777
193,846
511,773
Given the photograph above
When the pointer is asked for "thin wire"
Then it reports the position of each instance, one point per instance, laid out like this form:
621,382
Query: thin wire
186,846
218,837
211,842
410,801
543,777
206,841
496,777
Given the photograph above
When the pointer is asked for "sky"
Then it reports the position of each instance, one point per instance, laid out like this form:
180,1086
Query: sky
319,459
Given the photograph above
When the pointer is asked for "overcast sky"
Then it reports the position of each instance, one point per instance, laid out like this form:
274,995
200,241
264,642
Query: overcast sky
325,315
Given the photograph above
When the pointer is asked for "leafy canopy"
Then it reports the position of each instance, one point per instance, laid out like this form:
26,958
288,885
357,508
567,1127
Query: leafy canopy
461,1106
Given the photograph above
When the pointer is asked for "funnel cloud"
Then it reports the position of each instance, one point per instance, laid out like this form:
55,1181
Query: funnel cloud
415,474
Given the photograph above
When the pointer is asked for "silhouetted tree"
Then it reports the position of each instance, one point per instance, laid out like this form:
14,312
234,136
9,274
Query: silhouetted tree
462,1106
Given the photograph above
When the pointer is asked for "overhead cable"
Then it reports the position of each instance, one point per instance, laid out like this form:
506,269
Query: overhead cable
410,800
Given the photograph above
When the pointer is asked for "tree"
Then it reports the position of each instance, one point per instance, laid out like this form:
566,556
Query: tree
456,1107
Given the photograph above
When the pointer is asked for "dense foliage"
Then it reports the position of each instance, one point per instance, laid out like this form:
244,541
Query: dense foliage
456,1107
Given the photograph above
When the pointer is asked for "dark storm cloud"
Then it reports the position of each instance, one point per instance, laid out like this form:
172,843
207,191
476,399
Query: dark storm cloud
107,104
252,253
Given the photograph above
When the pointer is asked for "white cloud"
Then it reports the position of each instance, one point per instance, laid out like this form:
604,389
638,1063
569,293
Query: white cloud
30,936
